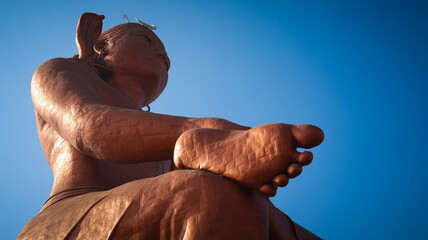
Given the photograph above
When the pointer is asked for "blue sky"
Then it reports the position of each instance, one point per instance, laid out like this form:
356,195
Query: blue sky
357,69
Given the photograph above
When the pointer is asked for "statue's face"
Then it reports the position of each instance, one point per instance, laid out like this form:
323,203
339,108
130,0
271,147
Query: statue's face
140,54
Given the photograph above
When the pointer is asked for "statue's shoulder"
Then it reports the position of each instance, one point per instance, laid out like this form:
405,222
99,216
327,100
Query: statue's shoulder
62,71
60,65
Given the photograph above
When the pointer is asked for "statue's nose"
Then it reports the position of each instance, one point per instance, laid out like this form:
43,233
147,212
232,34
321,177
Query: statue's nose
164,57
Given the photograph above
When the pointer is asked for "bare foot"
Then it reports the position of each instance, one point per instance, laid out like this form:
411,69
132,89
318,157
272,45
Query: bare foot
261,158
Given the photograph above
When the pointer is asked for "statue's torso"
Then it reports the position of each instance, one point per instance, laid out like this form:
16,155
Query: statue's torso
73,169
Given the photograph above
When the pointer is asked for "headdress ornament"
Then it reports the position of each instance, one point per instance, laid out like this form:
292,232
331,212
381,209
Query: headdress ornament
149,26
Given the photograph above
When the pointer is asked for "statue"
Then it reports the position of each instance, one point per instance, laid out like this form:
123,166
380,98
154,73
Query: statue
113,174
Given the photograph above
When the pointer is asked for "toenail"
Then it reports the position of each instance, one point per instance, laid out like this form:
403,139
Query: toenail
268,190
305,158
294,170
281,180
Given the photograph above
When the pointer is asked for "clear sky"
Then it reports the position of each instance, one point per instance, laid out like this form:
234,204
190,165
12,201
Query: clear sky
358,69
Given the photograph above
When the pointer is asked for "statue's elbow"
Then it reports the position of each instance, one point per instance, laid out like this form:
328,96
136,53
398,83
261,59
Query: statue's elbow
87,139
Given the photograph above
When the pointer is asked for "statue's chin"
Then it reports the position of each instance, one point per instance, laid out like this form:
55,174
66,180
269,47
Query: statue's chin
158,91
152,98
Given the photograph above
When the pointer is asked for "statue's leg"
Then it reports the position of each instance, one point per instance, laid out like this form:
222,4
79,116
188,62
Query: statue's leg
183,204
282,227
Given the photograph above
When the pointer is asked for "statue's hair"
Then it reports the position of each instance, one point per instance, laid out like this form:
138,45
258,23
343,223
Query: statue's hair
116,32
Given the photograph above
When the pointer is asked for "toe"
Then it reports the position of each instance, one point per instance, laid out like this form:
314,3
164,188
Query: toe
305,158
268,189
281,180
294,170
307,136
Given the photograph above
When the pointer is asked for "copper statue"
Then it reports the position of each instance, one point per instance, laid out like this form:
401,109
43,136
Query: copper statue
123,173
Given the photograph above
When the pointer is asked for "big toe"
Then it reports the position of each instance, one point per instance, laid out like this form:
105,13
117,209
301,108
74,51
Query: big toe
307,136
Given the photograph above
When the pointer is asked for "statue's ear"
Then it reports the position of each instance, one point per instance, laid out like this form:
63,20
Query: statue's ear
99,47
88,30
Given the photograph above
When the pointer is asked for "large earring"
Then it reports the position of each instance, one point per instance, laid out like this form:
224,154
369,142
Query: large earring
101,65
101,56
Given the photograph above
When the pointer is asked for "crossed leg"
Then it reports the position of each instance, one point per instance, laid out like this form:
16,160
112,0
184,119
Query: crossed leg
183,204
261,158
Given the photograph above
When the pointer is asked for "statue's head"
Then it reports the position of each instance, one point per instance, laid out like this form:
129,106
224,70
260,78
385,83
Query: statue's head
127,49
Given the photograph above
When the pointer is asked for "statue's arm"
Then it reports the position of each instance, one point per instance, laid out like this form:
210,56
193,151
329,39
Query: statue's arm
65,94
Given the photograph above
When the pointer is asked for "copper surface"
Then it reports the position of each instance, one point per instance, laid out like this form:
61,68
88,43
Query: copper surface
111,161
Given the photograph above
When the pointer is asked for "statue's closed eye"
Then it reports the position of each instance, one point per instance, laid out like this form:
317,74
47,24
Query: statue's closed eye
148,39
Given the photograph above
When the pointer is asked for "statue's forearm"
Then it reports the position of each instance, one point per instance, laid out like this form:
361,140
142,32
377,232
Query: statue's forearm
123,135
126,135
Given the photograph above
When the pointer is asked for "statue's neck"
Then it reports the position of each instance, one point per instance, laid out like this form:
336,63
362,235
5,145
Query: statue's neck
131,87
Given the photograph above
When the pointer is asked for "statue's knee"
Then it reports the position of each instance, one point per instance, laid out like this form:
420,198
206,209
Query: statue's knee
212,187
212,198
210,182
